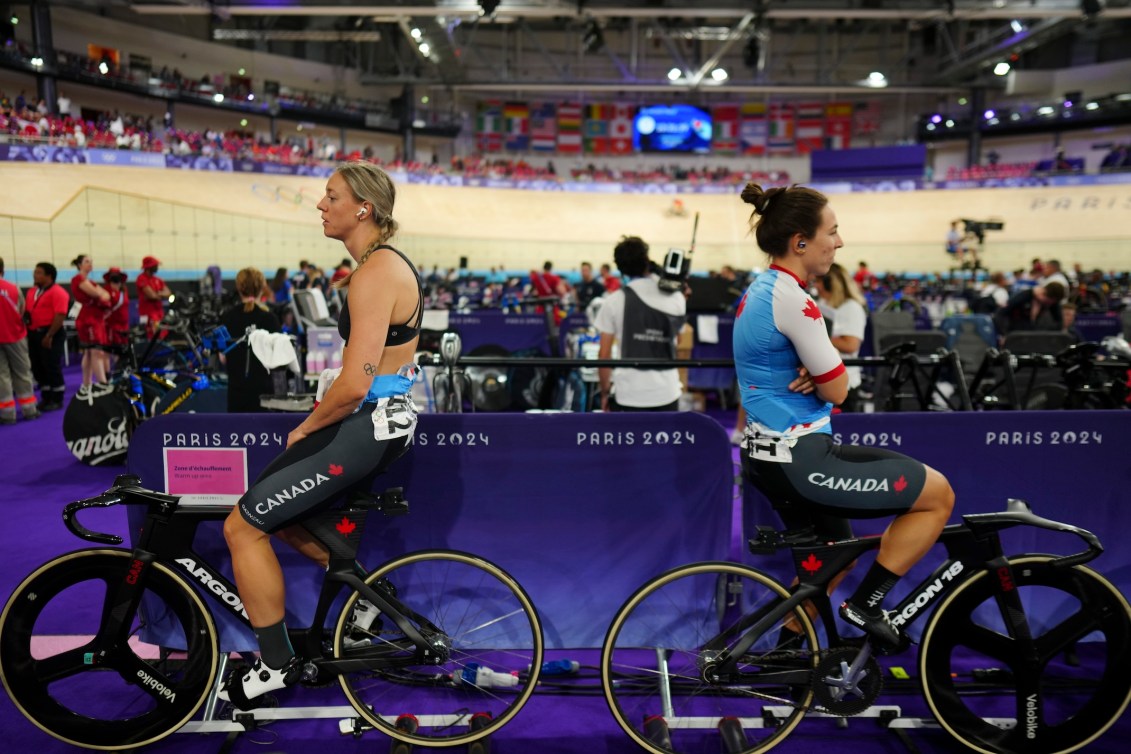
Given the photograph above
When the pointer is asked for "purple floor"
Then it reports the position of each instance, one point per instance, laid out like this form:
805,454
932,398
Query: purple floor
41,476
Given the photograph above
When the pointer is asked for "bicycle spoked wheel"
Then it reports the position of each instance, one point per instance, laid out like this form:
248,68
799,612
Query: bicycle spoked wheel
1074,689
489,642
656,664
110,692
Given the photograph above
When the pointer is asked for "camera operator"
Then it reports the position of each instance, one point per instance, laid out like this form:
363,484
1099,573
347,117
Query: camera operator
645,318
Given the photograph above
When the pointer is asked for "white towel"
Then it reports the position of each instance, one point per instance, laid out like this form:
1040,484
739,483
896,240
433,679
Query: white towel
273,349
708,328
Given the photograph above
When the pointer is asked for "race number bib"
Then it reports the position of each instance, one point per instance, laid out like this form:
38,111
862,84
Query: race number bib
394,417
772,449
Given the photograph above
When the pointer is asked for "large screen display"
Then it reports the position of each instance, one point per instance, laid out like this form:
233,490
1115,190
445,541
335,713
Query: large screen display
672,128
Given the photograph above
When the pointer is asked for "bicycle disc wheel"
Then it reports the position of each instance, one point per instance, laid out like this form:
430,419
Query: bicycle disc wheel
657,662
1074,688
105,692
488,650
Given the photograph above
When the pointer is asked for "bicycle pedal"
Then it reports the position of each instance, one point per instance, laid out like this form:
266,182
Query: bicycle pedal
393,502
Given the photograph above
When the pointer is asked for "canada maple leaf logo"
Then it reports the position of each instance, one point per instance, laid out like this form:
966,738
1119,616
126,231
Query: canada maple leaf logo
900,484
811,311
335,469
345,526
811,564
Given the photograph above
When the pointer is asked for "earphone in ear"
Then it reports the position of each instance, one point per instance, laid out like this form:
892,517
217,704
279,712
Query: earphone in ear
801,244
361,212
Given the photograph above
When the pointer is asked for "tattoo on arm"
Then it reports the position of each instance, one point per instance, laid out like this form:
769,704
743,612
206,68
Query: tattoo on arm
370,370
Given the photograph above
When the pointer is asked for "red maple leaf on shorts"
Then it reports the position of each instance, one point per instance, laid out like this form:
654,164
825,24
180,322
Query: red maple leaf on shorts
900,484
335,469
345,526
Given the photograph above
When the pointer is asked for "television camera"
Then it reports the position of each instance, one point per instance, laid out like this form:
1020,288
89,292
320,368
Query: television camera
979,227
677,265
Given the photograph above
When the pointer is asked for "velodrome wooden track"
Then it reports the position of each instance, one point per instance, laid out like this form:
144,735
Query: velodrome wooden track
192,219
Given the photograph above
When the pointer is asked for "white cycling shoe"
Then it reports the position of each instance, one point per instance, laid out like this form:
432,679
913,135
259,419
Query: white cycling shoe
242,691
364,614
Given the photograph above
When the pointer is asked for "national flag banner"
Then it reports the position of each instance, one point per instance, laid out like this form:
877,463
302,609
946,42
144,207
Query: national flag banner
724,139
543,127
517,116
620,128
489,126
867,118
596,128
838,125
752,129
780,137
569,128
810,128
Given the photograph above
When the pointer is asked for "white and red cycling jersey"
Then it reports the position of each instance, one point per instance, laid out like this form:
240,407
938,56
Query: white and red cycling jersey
777,329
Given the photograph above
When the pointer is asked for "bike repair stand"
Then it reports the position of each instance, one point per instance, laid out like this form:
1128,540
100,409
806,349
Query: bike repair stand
349,723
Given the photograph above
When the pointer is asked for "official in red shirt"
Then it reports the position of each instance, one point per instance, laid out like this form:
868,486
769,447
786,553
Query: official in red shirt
118,318
15,369
90,325
151,294
46,305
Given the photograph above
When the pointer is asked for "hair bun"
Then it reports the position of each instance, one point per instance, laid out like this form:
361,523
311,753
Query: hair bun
752,193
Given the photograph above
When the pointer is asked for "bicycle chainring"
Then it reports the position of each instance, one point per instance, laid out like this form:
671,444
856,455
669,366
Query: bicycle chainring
837,696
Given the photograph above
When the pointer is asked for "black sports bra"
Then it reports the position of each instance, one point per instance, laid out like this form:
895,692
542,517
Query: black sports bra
398,334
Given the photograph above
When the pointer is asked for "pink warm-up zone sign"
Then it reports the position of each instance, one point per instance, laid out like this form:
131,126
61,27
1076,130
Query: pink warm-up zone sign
206,471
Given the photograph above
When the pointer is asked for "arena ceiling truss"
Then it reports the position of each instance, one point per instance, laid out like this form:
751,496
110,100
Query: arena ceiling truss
523,47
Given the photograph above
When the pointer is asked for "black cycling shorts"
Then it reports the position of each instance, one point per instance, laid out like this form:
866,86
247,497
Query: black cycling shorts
827,483
312,474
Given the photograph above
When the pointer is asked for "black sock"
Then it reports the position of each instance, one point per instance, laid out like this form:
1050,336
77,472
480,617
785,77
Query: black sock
274,645
872,590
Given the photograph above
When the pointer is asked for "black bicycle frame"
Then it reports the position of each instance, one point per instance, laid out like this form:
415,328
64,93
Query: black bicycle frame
167,537
971,545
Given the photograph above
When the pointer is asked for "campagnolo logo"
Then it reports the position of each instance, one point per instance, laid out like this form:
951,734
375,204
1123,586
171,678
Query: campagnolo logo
212,584
147,680
924,597
98,448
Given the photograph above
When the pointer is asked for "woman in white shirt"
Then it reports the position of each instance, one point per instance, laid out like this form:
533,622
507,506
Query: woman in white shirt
843,305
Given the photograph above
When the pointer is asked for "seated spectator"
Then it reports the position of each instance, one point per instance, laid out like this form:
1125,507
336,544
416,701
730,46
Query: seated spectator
1068,310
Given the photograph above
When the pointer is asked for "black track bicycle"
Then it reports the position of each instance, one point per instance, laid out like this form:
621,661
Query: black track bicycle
697,660
454,653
